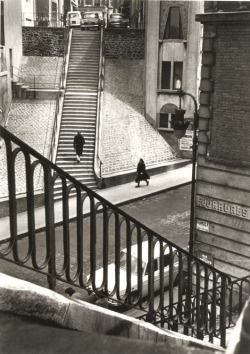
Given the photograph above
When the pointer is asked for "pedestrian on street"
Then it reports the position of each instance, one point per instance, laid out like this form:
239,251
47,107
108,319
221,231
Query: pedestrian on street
142,175
79,142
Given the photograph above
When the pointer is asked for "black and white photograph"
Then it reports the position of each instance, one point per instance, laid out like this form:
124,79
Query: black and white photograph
124,177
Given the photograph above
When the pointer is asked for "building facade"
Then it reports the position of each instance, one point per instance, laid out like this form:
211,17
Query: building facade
173,40
10,51
222,223
46,13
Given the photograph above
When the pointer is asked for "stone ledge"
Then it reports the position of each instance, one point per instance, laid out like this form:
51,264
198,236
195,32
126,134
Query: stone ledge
225,18
26,299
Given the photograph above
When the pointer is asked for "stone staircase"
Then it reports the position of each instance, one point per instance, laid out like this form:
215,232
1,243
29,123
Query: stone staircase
80,107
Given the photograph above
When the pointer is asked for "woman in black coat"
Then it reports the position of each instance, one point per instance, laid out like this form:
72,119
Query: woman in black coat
79,142
142,175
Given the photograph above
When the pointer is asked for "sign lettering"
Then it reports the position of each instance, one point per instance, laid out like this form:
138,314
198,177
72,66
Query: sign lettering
223,207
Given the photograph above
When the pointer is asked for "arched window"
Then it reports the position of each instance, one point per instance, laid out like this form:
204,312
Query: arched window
166,112
173,28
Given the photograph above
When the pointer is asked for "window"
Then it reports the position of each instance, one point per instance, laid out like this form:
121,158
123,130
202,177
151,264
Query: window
171,75
164,120
166,75
173,28
167,112
177,76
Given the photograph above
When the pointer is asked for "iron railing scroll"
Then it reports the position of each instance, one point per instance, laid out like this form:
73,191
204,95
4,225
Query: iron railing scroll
97,161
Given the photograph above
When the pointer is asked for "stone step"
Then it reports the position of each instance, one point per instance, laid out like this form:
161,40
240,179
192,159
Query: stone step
82,82
86,89
83,74
81,104
85,116
67,136
82,79
88,113
72,171
79,109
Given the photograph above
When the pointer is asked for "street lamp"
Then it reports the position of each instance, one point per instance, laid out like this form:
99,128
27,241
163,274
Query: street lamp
180,126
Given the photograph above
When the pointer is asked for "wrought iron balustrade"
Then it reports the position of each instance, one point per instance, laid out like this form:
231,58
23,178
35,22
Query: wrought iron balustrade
173,288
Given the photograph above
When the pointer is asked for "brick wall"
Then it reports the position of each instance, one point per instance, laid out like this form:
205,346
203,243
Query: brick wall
43,41
231,111
222,182
124,44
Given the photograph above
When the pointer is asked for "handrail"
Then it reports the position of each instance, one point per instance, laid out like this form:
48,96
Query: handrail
56,126
35,84
197,292
97,160
66,56
60,99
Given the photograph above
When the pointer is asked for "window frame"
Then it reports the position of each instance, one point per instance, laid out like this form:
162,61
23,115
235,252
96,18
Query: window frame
168,32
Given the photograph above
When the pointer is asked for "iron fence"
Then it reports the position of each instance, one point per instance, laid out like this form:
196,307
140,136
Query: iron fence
110,253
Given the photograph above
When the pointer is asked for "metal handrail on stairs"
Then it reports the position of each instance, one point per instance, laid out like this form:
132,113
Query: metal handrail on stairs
97,160
60,98
102,232
56,126
67,46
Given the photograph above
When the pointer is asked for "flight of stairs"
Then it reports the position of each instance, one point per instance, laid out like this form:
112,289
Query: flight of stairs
80,107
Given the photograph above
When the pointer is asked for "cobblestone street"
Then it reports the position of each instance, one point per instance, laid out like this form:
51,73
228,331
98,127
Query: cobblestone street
31,121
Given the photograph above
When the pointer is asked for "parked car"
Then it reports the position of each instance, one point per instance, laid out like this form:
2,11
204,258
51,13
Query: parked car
118,20
73,19
91,20
134,270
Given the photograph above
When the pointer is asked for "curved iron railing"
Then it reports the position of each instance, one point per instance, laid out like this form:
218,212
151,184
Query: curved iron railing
172,287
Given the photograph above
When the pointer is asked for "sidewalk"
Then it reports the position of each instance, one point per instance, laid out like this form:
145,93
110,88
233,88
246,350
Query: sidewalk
117,195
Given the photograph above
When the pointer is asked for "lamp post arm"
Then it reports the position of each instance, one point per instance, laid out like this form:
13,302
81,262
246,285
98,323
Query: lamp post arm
194,149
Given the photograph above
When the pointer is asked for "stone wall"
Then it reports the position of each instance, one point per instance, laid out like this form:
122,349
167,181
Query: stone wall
231,110
222,188
40,41
124,44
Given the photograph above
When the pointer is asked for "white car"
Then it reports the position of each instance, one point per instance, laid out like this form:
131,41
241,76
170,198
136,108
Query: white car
134,270
73,19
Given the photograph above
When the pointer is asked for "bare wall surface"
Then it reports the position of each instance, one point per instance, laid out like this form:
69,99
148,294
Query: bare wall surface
126,134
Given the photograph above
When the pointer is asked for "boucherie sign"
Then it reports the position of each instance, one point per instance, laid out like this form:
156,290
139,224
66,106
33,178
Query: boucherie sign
223,207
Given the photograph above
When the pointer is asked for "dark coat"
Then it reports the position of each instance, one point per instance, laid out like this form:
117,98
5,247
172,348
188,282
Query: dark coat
79,142
142,175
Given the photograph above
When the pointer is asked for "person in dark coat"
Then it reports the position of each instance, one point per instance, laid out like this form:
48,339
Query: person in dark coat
142,175
79,142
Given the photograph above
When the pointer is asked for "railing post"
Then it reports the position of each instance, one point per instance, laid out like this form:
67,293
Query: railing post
50,227
223,312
